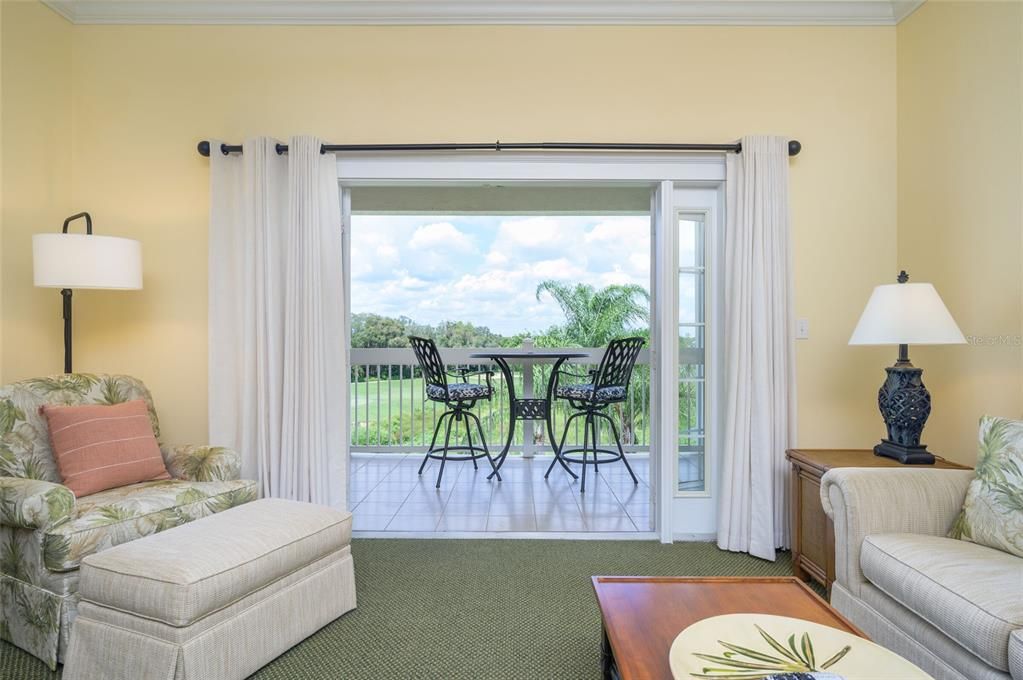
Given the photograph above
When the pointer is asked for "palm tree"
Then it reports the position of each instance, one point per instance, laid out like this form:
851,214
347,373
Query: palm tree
595,317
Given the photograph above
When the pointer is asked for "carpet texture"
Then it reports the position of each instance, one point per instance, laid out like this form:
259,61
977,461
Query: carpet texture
473,609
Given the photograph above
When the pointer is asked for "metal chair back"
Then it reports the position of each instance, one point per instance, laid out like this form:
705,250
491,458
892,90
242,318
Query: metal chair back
616,365
430,362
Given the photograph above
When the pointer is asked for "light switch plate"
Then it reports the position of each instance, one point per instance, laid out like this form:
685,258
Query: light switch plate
802,329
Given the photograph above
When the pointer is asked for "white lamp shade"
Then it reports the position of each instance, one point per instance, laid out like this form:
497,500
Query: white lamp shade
86,261
906,314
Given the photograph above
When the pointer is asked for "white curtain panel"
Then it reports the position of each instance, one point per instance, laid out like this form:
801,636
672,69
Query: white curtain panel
278,371
759,352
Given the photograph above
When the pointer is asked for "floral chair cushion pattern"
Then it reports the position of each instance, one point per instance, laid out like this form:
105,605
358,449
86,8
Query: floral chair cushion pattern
584,392
24,438
120,515
458,391
45,531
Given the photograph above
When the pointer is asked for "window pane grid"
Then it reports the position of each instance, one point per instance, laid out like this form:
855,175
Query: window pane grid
692,334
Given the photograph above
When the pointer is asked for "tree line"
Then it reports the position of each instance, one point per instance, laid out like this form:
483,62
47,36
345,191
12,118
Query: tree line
374,330
593,317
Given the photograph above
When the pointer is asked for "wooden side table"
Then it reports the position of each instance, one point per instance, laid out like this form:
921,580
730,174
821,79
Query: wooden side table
813,534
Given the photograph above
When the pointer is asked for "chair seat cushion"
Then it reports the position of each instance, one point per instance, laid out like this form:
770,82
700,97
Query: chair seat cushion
180,576
457,391
969,592
116,516
584,392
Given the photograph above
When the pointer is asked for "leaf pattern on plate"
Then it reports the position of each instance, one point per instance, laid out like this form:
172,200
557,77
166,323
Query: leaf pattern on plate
737,662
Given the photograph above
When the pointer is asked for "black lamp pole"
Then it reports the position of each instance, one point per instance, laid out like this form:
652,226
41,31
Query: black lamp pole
66,293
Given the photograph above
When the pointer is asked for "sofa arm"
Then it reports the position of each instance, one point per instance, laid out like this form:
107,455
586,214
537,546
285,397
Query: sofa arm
202,463
865,501
1016,654
34,504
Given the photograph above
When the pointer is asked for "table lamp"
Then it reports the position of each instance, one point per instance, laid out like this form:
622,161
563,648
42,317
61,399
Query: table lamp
903,314
69,261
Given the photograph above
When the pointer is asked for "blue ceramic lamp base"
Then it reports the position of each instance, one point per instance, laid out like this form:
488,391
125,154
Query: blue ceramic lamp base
905,405
907,455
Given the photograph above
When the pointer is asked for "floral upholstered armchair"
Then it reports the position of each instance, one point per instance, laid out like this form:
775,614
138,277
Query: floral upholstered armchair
45,531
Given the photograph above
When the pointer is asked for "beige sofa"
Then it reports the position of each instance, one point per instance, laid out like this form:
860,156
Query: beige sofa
953,608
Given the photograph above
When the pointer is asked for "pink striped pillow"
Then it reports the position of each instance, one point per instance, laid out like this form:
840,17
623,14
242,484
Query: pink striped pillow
103,447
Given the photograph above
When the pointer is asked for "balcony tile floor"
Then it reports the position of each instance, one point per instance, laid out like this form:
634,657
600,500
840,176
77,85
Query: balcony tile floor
387,495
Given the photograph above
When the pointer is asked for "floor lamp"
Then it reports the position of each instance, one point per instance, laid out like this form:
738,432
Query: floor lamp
69,261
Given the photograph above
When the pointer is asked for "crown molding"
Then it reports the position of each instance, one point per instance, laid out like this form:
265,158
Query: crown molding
529,12
903,8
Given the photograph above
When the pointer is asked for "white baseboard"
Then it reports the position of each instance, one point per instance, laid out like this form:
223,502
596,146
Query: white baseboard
542,535
704,538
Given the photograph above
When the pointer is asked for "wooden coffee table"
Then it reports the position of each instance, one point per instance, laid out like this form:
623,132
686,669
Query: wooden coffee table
641,616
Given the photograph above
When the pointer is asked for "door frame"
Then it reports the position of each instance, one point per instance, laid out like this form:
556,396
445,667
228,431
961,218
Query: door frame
661,172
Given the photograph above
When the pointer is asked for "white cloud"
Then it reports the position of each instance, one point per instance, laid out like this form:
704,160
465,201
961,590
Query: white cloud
496,259
386,253
440,235
532,232
639,262
373,256
616,277
619,230
412,283
561,269
494,281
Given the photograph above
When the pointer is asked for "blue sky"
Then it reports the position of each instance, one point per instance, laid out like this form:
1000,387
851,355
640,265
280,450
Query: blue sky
485,269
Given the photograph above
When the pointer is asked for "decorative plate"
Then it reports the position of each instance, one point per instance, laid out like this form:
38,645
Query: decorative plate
760,646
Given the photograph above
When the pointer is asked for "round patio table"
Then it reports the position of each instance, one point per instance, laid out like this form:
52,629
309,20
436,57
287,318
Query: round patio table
528,409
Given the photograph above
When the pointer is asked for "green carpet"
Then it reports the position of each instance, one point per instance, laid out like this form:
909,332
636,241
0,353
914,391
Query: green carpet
473,609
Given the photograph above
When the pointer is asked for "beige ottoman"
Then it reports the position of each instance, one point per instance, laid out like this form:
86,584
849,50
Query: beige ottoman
213,599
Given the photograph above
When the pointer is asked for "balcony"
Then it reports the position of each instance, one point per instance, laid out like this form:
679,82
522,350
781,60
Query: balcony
392,423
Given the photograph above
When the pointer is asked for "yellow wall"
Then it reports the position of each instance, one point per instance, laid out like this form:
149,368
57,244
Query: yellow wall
1,186
35,92
143,96
960,111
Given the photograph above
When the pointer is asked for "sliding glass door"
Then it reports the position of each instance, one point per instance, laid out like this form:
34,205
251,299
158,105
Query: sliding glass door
684,376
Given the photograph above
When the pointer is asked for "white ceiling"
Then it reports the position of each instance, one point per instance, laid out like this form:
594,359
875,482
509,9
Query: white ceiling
563,12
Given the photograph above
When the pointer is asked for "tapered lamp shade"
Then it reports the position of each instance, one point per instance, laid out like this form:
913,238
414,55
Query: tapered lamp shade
906,314
86,261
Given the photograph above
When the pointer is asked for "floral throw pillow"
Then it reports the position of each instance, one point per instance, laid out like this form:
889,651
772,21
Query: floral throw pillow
993,512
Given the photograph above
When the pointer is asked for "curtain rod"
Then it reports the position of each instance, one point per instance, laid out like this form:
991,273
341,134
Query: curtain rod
794,147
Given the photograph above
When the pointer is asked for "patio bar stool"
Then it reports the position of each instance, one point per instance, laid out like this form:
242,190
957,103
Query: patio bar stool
608,384
458,397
